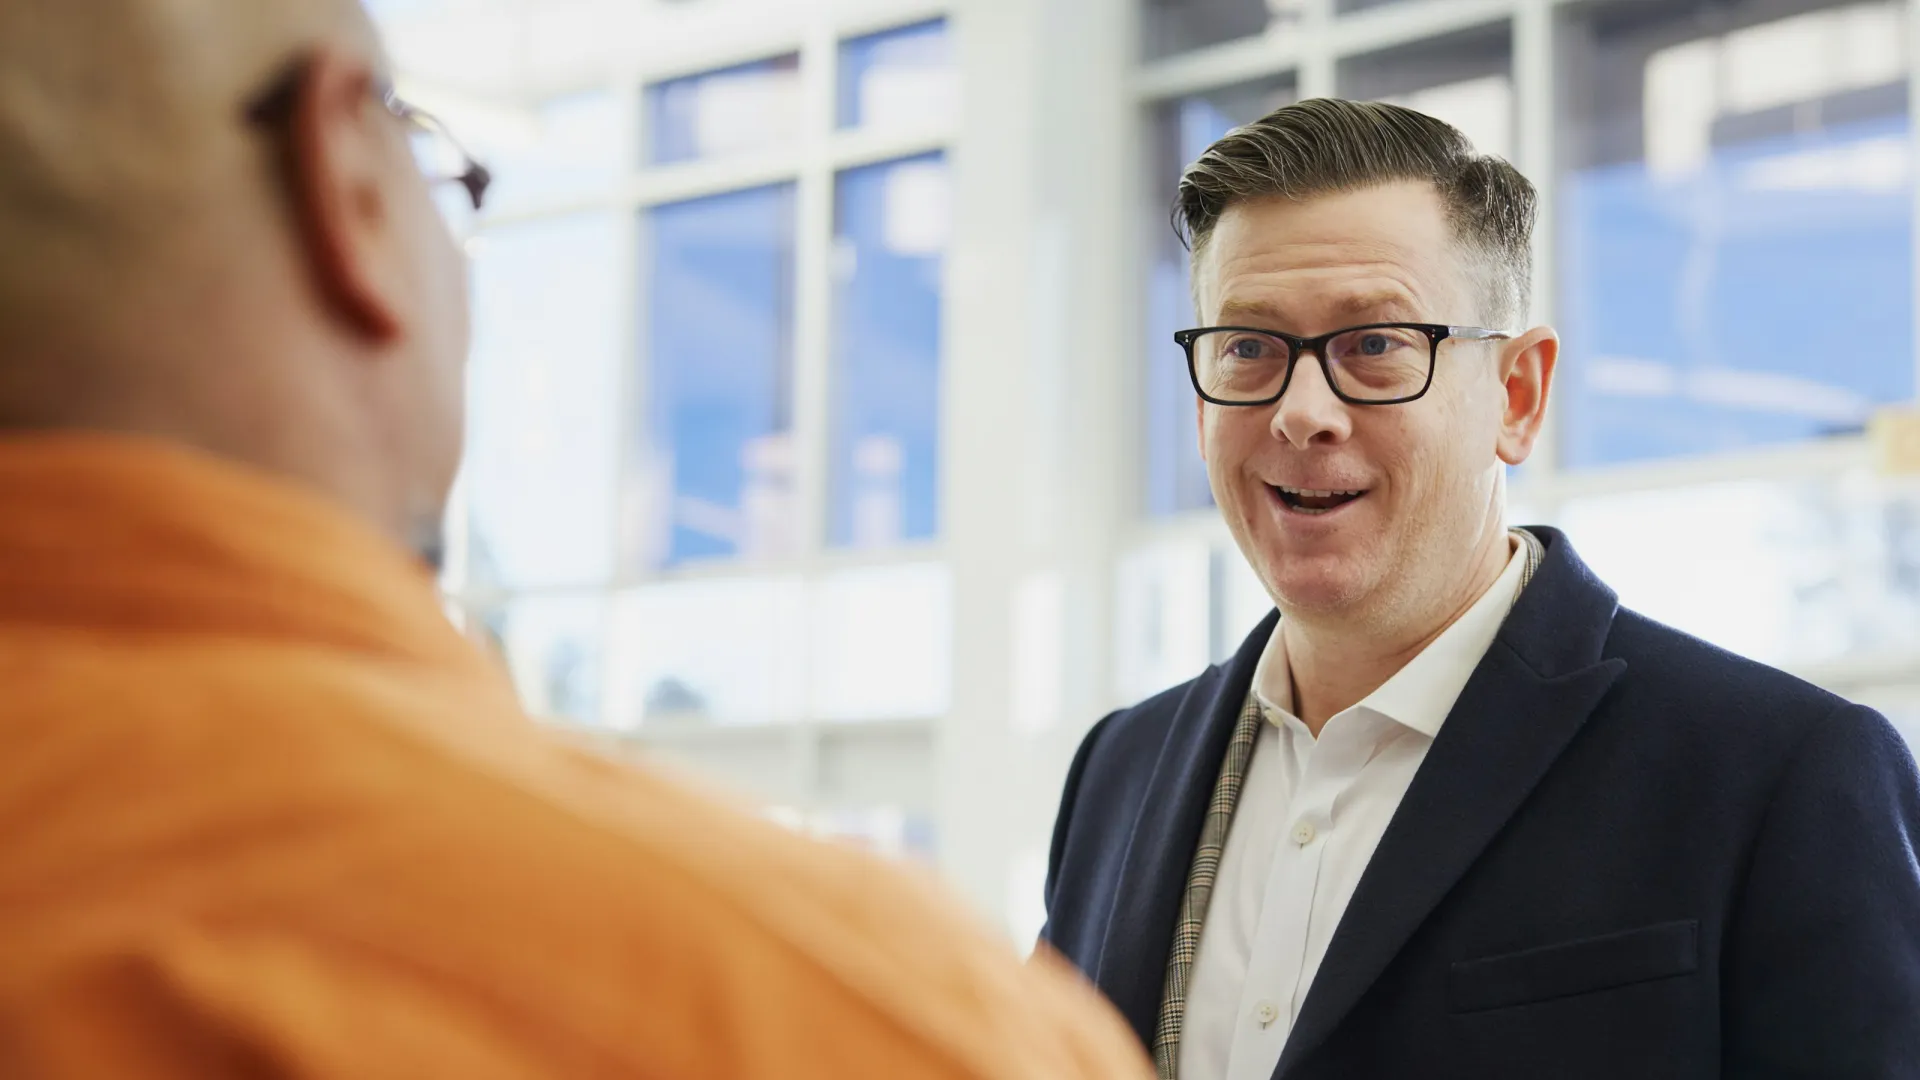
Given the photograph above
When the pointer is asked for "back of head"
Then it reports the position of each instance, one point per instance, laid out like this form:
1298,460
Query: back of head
173,265
1325,146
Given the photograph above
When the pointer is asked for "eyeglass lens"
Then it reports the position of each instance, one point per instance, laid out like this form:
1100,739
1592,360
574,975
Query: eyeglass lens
1372,364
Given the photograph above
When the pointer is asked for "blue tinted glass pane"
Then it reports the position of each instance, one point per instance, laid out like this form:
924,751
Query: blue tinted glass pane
716,475
543,394
1176,476
891,229
900,78
747,109
1688,304
1735,242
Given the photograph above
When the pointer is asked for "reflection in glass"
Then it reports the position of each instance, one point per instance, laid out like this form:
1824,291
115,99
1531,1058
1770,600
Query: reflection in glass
871,644
1732,185
900,78
707,652
1176,26
543,396
892,223
1176,477
552,647
1164,619
752,108
1800,572
715,473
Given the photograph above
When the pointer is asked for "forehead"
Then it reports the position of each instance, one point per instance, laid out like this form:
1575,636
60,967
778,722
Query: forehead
1383,252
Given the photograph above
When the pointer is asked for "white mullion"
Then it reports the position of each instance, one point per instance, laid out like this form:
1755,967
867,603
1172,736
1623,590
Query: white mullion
1913,150
813,314
635,385
1412,22
813,299
697,179
1319,64
858,18
847,150
1217,66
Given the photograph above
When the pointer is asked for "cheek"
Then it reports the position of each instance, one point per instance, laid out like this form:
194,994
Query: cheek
1230,437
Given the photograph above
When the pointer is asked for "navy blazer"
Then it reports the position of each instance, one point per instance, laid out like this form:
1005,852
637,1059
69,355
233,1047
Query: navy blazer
1627,855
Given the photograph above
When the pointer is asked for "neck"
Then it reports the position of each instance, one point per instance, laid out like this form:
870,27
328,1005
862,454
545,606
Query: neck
1335,664
220,400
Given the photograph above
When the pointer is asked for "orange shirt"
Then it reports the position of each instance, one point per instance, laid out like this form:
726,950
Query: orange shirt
264,812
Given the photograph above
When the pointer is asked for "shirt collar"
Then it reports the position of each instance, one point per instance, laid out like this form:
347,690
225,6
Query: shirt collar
124,534
1421,694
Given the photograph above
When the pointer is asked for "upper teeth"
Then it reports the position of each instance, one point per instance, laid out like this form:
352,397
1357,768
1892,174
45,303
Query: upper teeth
1312,494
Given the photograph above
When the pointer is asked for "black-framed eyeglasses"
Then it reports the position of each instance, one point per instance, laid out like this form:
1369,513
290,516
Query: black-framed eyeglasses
441,157
1373,364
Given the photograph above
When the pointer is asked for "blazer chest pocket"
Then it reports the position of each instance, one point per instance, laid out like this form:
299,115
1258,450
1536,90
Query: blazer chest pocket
1568,968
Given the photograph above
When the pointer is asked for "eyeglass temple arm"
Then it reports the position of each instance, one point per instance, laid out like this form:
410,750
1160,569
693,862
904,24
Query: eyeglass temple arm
1477,333
475,177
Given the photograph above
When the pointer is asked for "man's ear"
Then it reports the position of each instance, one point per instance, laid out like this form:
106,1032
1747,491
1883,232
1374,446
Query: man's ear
1526,377
339,152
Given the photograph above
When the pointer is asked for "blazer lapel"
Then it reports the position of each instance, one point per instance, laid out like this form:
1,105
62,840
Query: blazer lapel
1133,954
1532,692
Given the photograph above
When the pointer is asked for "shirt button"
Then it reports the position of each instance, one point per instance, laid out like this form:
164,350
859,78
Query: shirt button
1268,1012
1304,833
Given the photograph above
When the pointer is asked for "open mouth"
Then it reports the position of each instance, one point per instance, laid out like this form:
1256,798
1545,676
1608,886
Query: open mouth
1312,501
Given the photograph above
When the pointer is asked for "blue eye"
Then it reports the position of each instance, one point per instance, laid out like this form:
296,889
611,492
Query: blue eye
1249,348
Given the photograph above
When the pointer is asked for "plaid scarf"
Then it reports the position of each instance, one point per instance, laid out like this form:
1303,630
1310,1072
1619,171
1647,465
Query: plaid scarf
1206,858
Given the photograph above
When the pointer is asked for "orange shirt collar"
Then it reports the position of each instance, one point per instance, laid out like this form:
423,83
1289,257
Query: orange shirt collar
112,533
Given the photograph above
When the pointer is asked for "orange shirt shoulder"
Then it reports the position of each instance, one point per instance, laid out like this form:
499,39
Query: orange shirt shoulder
267,814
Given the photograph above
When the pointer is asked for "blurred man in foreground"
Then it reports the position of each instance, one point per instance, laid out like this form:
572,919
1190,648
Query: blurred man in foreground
265,813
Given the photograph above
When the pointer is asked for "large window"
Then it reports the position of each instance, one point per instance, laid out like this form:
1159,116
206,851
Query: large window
899,79
715,474
1175,26
1463,78
544,392
1730,250
1736,226
565,149
750,109
857,645
704,441
1175,477
1804,572
891,230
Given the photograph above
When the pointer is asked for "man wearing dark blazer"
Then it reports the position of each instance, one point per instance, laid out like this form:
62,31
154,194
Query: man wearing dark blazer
1452,812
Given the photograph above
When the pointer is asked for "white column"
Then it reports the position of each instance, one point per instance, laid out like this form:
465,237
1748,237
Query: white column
1041,317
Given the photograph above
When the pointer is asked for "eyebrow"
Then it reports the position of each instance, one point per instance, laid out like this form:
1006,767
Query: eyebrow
1355,305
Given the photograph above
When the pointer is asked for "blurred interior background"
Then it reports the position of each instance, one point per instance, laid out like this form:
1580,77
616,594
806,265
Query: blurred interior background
828,435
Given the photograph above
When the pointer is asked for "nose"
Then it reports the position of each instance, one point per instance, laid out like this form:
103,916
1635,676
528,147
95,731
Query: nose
1310,412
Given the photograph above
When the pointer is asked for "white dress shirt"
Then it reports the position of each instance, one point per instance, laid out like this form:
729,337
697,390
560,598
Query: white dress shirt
1310,815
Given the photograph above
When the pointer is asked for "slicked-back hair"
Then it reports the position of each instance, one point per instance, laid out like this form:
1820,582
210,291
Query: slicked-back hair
1327,146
